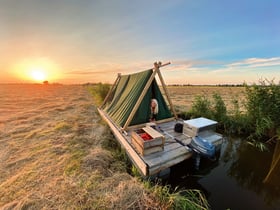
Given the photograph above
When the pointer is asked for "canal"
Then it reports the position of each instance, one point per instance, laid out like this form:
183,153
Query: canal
234,180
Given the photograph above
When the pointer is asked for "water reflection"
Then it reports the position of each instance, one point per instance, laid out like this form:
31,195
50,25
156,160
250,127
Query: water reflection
235,180
249,167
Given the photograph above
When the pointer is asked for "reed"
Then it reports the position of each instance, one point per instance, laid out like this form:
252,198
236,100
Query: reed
259,121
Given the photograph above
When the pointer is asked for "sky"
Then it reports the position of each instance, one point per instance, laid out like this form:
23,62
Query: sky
72,41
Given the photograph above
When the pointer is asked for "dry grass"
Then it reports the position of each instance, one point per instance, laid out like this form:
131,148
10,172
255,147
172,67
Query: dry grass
52,154
183,96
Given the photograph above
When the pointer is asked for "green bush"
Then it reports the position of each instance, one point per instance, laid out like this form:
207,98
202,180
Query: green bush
263,108
219,108
102,90
201,107
213,109
260,120
99,91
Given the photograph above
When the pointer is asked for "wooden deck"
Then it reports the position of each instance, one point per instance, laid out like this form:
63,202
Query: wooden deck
152,164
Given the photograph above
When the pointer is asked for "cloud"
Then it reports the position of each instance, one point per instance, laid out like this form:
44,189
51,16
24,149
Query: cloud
192,65
256,62
97,68
248,64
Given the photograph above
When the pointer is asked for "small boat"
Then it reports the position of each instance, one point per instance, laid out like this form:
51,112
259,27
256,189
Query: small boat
202,147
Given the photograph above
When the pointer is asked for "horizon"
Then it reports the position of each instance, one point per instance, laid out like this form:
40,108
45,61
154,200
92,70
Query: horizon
79,42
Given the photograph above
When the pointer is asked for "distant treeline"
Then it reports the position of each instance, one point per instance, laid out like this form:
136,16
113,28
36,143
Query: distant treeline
217,85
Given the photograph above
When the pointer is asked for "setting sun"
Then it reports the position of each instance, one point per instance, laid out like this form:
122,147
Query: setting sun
36,70
38,75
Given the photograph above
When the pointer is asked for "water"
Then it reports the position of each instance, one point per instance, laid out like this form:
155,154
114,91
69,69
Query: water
234,180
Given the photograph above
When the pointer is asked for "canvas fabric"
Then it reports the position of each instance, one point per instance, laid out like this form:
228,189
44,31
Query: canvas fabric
125,95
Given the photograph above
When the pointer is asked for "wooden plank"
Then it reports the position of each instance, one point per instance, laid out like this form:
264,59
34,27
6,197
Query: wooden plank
146,151
167,156
150,164
153,133
135,158
156,169
133,127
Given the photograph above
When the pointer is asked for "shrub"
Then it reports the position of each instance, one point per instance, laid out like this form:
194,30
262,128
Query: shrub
263,108
201,107
102,90
99,91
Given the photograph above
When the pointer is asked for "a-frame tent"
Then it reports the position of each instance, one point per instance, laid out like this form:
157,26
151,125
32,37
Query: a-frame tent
128,101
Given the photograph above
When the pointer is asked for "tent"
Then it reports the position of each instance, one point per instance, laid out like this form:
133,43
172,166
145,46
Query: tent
128,101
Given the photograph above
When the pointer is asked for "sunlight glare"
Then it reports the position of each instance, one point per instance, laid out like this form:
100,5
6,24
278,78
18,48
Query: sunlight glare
36,70
38,75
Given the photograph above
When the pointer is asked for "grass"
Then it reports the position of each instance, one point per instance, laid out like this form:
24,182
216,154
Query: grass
68,159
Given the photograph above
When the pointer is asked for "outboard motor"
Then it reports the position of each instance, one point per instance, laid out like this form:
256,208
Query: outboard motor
202,147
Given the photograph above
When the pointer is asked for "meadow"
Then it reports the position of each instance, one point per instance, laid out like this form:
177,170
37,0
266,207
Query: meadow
184,96
56,153
51,153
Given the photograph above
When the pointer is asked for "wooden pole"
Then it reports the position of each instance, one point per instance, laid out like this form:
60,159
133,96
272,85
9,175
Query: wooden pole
111,90
165,89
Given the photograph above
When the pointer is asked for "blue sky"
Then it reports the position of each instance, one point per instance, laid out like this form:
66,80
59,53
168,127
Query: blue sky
207,42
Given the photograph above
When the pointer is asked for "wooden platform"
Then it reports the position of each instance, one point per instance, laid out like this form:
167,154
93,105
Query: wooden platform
172,154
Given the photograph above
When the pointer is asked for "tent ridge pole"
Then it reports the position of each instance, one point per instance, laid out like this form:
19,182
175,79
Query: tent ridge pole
157,66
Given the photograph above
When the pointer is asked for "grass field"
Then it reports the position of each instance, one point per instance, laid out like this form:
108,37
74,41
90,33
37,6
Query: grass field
56,153
183,96
51,153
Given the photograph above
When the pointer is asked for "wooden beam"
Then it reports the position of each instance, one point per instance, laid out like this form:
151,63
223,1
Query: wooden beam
159,65
111,90
142,95
134,157
132,127
165,89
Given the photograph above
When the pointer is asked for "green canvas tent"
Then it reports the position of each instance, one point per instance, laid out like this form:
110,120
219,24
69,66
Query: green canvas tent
128,101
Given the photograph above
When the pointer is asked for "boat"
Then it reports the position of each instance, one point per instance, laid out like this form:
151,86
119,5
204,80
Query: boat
202,147
142,118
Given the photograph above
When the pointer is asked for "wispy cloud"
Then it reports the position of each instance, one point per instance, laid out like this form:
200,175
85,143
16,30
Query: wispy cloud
256,62
97,68
192,65
248,64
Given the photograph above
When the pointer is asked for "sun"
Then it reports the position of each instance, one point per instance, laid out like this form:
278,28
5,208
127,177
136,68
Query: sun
36,70
38,75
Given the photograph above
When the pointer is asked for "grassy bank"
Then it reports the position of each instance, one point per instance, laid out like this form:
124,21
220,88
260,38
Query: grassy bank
254,115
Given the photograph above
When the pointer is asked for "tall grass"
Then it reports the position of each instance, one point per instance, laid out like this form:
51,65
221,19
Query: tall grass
263,107
190,199
259,122
99,91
